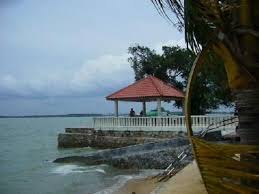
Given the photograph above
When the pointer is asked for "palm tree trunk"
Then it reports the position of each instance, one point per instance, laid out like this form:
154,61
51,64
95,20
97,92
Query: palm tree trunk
247,103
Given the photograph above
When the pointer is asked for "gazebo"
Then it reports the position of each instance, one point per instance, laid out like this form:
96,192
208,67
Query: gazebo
153,89
146,90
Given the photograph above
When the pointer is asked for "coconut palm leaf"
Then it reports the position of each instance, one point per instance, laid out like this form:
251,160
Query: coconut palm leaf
198,18
229,29
235,23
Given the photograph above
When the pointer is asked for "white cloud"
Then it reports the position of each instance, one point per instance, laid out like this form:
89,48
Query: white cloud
180,42
103,73
95,75
9,81
10,85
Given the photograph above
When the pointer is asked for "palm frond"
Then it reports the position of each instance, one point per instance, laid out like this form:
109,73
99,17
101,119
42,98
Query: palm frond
199,18
174,6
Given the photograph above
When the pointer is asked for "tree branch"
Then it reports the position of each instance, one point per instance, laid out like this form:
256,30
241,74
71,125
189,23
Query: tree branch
247,31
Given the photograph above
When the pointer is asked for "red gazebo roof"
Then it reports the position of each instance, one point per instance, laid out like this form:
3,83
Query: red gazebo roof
147,89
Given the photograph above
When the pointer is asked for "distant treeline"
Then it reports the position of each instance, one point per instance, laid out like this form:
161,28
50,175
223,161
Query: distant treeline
42,116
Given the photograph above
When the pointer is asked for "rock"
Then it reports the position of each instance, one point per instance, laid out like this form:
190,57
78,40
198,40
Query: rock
80,130
156,155
84,137
66,140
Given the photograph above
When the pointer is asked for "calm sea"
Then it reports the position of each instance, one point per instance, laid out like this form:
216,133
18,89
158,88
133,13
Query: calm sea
29,145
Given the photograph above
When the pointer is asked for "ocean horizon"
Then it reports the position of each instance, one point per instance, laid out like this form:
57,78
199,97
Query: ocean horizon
95,114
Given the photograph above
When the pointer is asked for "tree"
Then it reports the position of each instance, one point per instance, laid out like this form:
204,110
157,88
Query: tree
174,66
228,29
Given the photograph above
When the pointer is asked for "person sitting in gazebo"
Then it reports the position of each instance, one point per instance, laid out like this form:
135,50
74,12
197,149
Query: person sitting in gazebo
132,112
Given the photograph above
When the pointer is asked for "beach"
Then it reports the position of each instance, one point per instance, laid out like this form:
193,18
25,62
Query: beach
141,186
187,181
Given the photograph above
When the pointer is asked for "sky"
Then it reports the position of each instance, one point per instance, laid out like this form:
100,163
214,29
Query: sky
63,56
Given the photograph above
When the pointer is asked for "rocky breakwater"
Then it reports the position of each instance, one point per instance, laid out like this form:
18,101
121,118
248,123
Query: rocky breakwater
155,155
84,137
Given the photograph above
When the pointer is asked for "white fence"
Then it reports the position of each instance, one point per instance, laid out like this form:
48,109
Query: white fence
169,123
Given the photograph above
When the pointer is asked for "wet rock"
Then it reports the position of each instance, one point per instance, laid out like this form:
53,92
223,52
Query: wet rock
156,155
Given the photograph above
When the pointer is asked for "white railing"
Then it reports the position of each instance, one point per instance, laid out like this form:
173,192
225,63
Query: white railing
169,123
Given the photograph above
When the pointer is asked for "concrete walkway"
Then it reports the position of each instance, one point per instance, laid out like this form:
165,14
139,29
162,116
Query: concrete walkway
187,181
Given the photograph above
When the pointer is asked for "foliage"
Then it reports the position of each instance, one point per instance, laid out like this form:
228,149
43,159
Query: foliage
173,66
233,23
230,30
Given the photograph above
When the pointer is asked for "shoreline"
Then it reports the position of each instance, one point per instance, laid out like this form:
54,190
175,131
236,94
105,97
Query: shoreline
186,181
138,186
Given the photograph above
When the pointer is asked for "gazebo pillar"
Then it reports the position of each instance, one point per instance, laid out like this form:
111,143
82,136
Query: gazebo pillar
116,110
158,107
144,108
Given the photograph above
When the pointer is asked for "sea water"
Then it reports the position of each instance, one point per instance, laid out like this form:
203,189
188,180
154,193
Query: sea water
29,145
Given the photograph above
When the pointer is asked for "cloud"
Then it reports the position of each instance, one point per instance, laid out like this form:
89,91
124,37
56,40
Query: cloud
95,76
8,81
180,42
10,86
98,76
103,72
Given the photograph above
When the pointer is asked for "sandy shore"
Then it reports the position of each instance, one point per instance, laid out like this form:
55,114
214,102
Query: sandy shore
187,181
139,186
